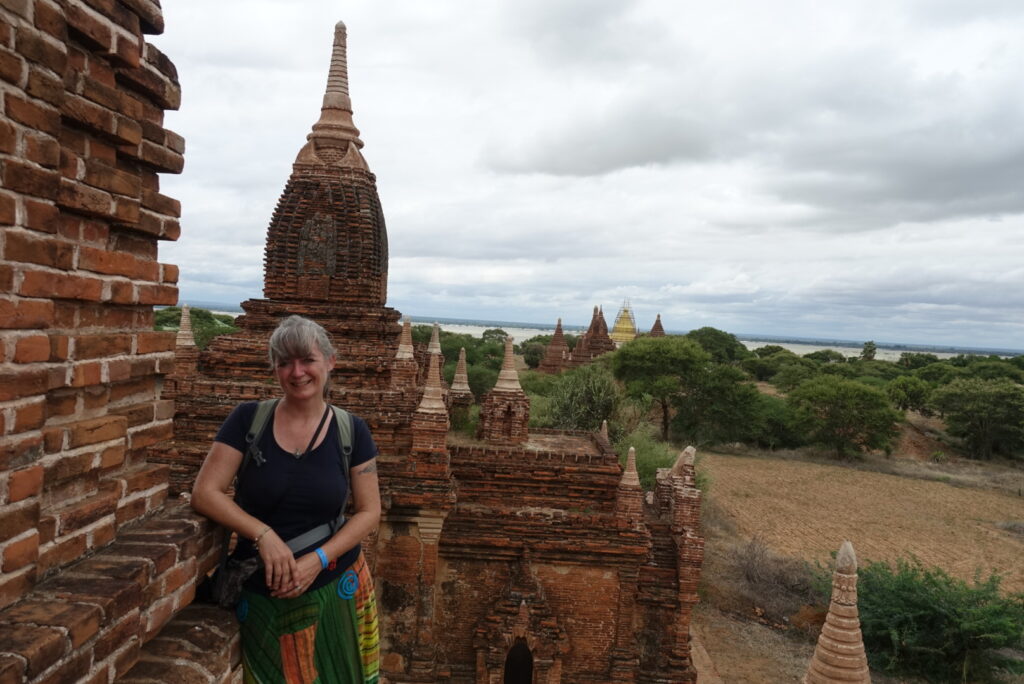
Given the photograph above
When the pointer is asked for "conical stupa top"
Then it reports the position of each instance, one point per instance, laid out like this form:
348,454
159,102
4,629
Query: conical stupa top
624,329
839,656
558,329
185,337
687,457
460,383
508,378
435,340
657,330
335,127
405,350
433,401
629,475
604,429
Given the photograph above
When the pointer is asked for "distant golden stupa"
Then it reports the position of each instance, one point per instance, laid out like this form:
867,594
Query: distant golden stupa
624,329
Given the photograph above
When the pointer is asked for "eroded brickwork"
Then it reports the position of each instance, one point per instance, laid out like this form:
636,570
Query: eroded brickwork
93,560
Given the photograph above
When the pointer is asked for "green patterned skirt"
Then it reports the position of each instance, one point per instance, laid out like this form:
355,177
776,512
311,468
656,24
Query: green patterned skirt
326,636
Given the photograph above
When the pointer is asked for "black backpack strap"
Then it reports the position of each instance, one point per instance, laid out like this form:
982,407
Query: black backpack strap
345,437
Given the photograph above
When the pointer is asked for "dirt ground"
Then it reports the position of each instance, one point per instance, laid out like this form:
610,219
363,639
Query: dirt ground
807,510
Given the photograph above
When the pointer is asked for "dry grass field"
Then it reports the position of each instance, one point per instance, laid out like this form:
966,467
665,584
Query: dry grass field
807,509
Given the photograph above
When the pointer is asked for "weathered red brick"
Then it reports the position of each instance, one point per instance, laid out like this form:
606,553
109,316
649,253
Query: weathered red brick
107,344
92,28
15,520
97,430
25,483
60,285
82,621
153,341
12,66
32,349
169,273
165,295
22,383
28,248
8,209
108,178
33,46
30,179
86,199
30,416
49,18
41,216
33,313
18,554
43,85
42,647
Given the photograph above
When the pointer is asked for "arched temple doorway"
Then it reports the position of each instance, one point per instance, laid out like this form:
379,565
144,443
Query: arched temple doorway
519,664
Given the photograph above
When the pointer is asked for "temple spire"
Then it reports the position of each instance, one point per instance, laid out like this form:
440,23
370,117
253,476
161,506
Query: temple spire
508,378
335,128
839,655
460,383
435,340
405,350
630,478
432,401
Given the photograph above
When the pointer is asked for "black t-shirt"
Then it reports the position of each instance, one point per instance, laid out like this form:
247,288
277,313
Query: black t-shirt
294,495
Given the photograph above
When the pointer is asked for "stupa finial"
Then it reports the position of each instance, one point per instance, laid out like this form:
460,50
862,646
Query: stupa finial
405,349
630,478
435,340
185,338
508,378
460,383
335,128
433,401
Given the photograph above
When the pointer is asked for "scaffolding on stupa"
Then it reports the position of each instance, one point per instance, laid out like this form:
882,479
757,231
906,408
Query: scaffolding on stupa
624,329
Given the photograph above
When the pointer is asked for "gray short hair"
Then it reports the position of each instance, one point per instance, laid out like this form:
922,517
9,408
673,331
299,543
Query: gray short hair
295,337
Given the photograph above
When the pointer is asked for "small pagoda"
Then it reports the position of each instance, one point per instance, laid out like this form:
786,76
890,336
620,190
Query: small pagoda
624,329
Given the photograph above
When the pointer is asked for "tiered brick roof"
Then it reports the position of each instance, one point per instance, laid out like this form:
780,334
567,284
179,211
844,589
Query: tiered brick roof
656,329
839,657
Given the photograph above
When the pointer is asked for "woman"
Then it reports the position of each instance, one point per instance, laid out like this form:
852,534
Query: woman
309,615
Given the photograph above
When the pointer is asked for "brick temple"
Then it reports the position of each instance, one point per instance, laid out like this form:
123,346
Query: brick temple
514,556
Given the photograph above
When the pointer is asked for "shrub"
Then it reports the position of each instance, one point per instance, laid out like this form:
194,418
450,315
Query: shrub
651,453
718,405
922,622
987,414
843,415
908,392
780,585
584,397
535,382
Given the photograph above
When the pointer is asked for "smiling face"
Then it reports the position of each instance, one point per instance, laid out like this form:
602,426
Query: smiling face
304,377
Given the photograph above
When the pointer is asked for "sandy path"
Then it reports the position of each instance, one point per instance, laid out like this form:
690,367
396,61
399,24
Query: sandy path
807,509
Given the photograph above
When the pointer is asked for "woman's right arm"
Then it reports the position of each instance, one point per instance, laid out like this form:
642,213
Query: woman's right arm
210,497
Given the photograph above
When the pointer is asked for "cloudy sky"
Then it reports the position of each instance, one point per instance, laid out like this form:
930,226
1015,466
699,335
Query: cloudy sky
851,170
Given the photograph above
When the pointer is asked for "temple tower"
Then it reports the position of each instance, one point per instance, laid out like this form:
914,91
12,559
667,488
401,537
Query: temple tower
460,396
557,353
506,408
624,329
839,655
656,329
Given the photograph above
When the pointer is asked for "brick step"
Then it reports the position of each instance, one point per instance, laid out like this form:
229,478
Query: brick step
143,489
89,621
199,644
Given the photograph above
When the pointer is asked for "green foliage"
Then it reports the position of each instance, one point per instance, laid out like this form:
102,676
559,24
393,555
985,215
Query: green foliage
939,373
494,335
867,353
584,397
826,356
909,392
651,453
535,382
915,360
540,411
768,350
718,405
919,621
765,366
987,414
843,415
661,367
722,346
205,324
994,370
792,374
533,353
776,425
481,379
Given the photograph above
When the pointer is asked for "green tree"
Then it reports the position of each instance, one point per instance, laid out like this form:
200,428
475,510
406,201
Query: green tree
843,415
494,335
724,347
939,373
915,360
909,392
826,356
987,414
768,350
869,350
993,370
718,405
584,397
661,367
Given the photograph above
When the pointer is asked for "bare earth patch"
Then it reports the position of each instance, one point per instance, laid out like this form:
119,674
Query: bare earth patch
807,509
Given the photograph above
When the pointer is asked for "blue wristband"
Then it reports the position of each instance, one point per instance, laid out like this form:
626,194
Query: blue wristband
323,558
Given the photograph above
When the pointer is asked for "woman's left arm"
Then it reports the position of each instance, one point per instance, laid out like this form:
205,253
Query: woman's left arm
366,504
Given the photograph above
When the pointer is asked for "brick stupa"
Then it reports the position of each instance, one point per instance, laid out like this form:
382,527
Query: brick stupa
594,342
657,330
839,657
556,354
624,328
